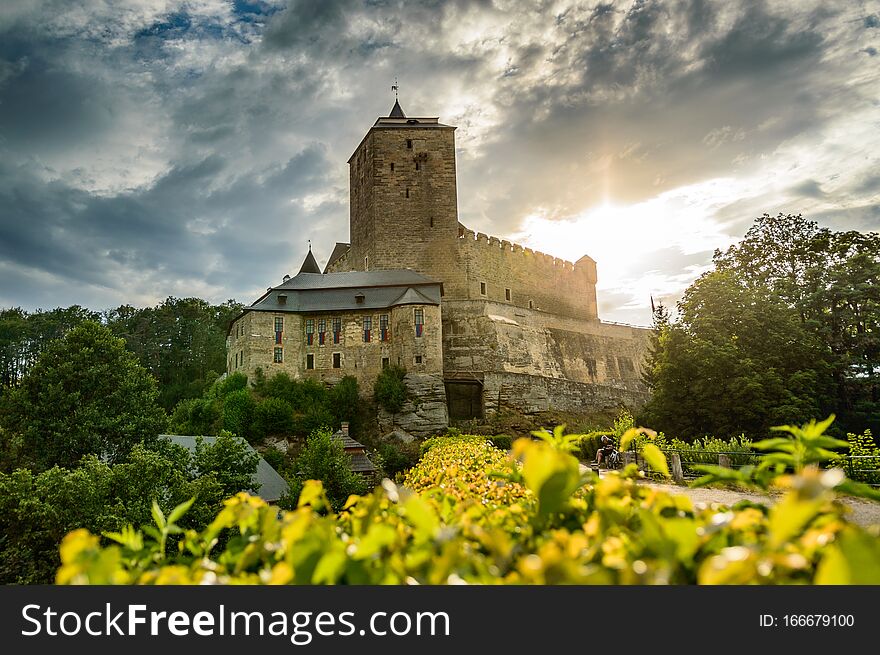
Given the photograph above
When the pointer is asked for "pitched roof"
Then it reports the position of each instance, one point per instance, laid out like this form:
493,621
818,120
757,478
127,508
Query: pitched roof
360,463
309,264
347,441
338,251
267,484
396,111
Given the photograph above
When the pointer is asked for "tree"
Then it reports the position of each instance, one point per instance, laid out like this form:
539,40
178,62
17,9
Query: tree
739,360
85,394
324,458
390,389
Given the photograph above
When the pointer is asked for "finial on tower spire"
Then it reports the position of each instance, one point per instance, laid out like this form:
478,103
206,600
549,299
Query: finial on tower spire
396,111
395,87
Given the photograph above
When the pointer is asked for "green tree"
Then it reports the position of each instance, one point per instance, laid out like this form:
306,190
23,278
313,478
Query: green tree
86,394
390,390
324,458
738,360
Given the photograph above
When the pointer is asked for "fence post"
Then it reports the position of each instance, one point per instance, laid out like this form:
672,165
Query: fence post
677,473
724,460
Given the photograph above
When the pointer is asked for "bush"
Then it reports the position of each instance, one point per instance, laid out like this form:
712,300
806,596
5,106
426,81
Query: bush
345,399
197,416
397,457
276,459
238,412
38,509
474,515
390,389
323,458
272,416
502,441
229,384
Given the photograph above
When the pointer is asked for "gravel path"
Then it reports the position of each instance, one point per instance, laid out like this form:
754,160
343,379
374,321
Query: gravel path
863,512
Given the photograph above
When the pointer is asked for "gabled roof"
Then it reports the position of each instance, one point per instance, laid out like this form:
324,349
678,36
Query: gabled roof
267,483
309,264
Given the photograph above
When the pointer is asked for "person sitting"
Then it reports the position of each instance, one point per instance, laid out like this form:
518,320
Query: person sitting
606,447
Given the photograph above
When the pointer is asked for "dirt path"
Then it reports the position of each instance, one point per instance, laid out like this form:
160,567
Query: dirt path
863,512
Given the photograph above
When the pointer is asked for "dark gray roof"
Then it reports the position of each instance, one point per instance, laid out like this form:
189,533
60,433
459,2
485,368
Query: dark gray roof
309,264
347,441
338,251
268,485
360,463
396,111
356,279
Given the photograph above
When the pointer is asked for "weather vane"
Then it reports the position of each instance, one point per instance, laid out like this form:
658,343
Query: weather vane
395,87
310,245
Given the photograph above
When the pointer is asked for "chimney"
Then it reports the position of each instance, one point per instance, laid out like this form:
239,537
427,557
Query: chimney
344,427
286,278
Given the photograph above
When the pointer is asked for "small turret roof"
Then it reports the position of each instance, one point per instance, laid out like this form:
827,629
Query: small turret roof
396,111
309,264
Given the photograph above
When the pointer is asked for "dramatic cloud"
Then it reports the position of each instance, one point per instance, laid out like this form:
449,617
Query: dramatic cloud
163,147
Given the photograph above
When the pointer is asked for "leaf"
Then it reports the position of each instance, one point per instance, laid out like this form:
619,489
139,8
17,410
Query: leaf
158,516
655,459
790,516
180,510
854,559
421,515
779,443
627,438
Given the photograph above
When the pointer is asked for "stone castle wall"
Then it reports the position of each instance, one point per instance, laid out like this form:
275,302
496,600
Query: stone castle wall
485,341
535,280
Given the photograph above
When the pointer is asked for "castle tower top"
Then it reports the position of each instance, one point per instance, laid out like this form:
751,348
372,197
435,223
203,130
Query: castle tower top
396,111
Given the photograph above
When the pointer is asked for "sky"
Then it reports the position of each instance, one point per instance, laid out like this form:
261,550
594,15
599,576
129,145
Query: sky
155,148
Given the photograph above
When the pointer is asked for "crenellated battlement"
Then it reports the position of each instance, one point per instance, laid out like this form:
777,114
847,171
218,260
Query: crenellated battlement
505,246
498,269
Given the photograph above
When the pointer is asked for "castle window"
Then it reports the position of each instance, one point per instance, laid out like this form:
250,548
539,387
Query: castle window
420,321
507,295
279,328
279,356
368,326
407,192
322,330
432,221
418,168
531,305
337,329
482,288
384,334
409,143
366,263
386,362
236,360
310,361
337,360
310,331
392,167
418,359
241,358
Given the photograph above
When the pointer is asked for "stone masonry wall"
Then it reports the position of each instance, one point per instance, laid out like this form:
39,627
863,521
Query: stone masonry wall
535,280
406,217
530,394
253,337
483,338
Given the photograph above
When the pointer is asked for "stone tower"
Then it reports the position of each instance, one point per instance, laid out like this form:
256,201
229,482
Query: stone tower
404,211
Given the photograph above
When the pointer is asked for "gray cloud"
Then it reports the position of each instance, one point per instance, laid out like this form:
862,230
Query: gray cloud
193,148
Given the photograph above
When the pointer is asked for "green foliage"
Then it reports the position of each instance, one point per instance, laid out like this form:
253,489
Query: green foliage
225,386
182,342
390,390
238,412
228,460
38,509
534,521
197,416
502,441
864,466
272,416
396,457
739,360
85,394
323,458
345,399
276,459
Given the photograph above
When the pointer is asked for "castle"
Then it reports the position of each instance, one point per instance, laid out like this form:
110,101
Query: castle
479,323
